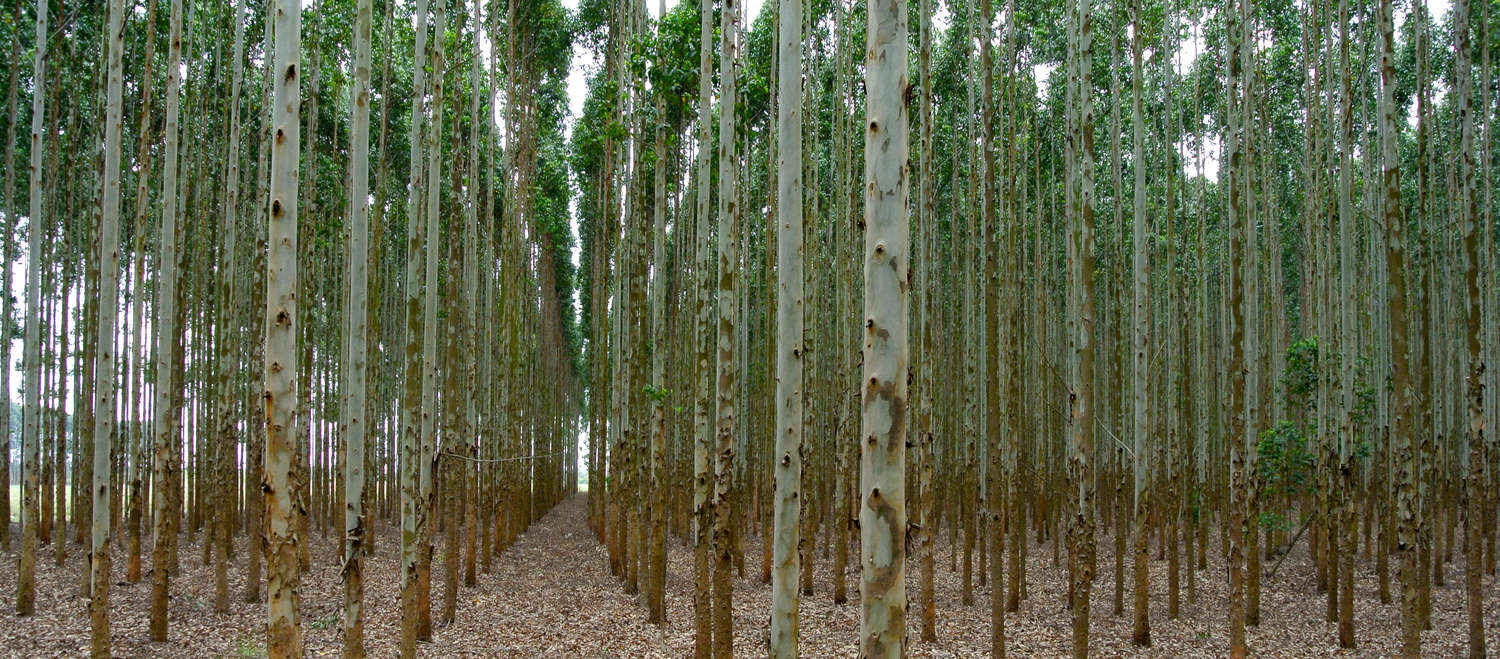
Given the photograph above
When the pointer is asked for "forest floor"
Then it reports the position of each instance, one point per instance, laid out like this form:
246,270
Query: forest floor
551,595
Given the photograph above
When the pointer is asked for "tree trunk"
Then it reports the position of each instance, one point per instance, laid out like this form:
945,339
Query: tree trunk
284,625
728,302
139,444
656,553
883,389
1140,339
227,331
787,503
1470,218
927,520
413,417
356,338
1080,215
164,427
1238,526
104,368
30,423
432,221
702,513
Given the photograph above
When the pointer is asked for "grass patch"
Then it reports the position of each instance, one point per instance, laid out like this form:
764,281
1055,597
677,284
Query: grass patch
249,645
326,622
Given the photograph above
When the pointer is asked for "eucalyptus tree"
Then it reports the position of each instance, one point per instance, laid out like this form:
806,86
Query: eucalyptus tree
1140,339
104,368
924,358
165,444
471,308
356,322
12,220
141,450
789,350
284,623
883,389
432,223
227,324
656,555
30,428
1470,217
1080,256
702,513
990,315
725,367
1346,533
1400,347
413,506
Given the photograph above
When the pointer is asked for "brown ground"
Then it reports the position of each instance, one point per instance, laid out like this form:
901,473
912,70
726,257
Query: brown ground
551,595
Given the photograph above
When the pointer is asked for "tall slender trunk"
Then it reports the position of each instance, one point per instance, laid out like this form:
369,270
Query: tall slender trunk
139,443
1237,525
1470,218
472,294
656,533
30,422
164,426
356,338
412,410
227,332
12,222
1347,343
104,368
1140,339
927,521
1080,215
789,349
990,315
284,624
430,366
728,303
702,513
1402,394
883,388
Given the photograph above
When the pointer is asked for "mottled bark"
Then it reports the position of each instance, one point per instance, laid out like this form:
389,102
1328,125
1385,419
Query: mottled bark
883,388
702,513
284,622
165,448
412,411
356,338
787,501
726,368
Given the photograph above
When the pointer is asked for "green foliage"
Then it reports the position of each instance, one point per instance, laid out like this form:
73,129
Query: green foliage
657,393
1284,463
1273,521
1300,379
1285,460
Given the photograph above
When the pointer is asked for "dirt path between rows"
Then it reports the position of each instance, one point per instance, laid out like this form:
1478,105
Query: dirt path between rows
551,595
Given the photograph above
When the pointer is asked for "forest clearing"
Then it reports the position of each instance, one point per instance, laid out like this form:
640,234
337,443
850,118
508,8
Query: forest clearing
633,328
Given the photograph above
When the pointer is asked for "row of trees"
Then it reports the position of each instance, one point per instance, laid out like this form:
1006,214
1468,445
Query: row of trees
1174,268
1198,267
251,352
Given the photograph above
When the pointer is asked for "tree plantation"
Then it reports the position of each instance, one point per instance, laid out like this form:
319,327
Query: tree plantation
616,328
